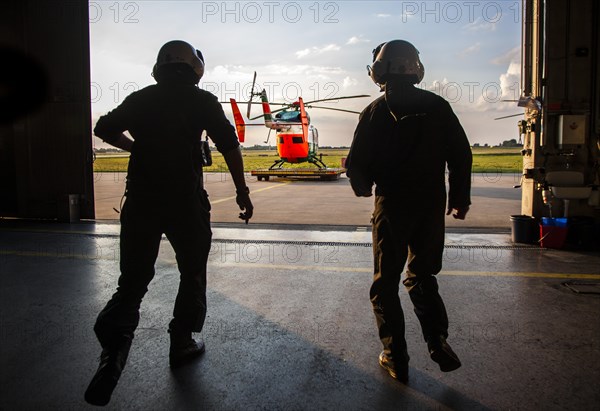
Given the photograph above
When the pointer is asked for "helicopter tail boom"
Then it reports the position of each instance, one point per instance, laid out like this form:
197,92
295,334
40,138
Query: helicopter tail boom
303,119
269,123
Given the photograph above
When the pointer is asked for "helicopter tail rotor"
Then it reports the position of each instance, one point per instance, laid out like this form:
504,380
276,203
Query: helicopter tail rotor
268,136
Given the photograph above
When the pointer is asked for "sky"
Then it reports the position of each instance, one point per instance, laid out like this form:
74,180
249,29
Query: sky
317,49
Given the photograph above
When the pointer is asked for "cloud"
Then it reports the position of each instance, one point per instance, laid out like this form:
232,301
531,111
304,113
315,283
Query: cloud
357,40
300,70
479,25
229,71
349,82
317,50
510,81
508,57
302,53
383,15
438,85
469,50
492,95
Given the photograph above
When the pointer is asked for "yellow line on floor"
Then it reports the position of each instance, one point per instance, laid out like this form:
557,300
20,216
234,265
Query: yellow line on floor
292,267
75,255
252,192
249,266
521,274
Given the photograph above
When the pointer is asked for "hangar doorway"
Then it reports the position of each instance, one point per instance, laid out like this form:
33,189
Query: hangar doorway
229,74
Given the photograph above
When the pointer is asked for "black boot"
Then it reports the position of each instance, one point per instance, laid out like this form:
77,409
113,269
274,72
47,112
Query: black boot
441,352
112,362
398,371
183,348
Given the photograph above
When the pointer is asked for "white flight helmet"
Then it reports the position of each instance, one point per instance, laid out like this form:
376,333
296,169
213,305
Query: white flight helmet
396,57
178,51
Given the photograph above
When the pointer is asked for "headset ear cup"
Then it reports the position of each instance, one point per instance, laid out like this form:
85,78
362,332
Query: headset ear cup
199,54
421,72
375,73
376,51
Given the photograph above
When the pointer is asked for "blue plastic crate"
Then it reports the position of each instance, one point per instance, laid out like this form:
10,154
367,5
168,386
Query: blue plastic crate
555,221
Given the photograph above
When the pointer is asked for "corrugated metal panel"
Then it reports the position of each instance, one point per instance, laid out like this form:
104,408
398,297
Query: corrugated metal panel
53,146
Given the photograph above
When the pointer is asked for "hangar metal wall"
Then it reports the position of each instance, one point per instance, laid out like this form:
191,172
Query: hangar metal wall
561,70
46,155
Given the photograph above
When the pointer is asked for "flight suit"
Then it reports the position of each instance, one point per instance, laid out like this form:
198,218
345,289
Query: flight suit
164,195
403,143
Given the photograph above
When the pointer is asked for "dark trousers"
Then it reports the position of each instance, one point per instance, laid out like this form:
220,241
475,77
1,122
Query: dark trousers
186,223
406,231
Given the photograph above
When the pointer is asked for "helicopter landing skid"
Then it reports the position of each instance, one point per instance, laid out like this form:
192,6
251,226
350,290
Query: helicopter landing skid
277,165
318,162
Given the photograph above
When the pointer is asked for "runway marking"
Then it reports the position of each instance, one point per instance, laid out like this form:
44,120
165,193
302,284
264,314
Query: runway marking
253,192
52,231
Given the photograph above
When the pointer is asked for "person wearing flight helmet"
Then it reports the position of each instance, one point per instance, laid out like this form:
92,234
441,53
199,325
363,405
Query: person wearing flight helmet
164,195
402,144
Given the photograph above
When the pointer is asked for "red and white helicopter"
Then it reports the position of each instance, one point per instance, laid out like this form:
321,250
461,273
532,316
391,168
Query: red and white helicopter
297,139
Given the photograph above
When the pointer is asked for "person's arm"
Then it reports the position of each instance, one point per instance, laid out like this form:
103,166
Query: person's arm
119,141
235,163
459,160
358,160
111,126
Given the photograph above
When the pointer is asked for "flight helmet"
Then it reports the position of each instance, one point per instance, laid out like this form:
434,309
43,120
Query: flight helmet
396,58
178,52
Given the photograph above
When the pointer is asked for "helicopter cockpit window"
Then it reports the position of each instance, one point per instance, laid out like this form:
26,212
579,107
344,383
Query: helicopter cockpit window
292,116
297,140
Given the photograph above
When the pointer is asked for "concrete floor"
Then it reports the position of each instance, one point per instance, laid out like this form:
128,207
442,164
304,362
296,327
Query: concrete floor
296,201
290,326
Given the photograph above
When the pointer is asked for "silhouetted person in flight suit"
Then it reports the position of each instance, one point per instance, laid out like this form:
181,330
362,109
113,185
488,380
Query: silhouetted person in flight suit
402,144
164,194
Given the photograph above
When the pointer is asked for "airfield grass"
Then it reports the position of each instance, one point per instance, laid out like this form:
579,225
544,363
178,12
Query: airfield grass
485,160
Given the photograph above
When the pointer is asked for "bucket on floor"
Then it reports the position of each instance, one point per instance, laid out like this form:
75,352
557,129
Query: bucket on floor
524,229
68,208
553,232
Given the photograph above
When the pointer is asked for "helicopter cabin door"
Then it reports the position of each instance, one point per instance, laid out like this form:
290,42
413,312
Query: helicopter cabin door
313,141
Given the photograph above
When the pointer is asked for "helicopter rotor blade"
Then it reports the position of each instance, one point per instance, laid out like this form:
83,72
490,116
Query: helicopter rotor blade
334,109
257,117
256,102
512,115
337,98
244,102
251,96
307,105
274,111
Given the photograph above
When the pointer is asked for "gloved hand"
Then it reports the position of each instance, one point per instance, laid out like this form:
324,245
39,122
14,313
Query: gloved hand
363,191
243,201
461,212
361,187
